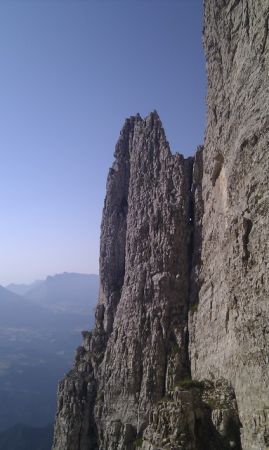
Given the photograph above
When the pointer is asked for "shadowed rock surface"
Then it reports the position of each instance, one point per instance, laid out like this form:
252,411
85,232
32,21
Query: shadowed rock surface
177,359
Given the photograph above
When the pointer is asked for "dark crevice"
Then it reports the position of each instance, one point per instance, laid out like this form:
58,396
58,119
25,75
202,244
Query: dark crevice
195,212
196,209
246,24
234,5
215,115
219,160
123,208
265,35
247,227
227,318
191,219
249,143
190,250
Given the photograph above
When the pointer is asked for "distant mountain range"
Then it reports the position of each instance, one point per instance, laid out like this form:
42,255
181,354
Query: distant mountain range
40,326
16,312
22,289
66,292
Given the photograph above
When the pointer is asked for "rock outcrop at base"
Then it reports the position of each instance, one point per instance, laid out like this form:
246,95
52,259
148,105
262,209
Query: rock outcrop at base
178,357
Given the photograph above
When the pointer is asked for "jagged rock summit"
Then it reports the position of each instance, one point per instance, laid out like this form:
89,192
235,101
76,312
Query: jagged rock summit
178,357
131,383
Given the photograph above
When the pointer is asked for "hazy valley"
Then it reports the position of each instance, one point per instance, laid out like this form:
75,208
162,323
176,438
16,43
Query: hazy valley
39,332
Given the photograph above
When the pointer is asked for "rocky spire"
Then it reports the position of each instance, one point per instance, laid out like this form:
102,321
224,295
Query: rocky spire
137,351
140,362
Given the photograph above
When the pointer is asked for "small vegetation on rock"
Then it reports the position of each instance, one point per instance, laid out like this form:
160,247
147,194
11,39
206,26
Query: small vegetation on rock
100,396
175,348
188,383
194,308
138,442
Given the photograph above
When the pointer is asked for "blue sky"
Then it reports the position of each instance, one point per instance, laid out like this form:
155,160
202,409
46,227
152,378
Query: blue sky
71,71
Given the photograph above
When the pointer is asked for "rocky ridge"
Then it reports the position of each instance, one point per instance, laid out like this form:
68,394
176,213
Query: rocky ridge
177,359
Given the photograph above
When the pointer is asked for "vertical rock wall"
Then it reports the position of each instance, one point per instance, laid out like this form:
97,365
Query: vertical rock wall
228,328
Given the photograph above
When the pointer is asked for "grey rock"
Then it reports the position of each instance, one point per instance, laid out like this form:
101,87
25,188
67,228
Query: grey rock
229,332
194,416
178,357
138,348
151,315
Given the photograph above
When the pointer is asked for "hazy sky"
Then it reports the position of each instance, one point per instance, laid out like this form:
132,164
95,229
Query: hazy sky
71,71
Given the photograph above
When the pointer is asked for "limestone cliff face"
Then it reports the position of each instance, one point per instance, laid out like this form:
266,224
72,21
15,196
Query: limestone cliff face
138,349
229,332
151,317
178,356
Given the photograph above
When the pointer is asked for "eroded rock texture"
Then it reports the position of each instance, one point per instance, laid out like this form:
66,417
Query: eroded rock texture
131,383
178,358
138,349
151,317
229,332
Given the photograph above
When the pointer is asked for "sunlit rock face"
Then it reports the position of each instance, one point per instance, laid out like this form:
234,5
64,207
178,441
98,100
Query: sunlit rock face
229,332
146,352
138,349
131,384
178,357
